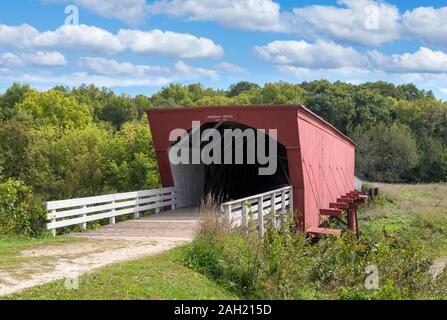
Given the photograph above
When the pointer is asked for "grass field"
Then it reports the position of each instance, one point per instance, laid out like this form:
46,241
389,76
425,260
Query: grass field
414,212
417,213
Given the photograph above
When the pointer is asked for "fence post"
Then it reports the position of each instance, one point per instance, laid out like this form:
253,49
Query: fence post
244,218
173,199
283,205
157,209
84,224
228,213
112,218
136,215
273,210
291,202
261,215
53,220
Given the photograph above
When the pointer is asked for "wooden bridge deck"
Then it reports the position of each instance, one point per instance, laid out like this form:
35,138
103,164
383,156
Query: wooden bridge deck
176,225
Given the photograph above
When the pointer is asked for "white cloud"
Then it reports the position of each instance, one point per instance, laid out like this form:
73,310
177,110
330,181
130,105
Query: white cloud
179,45
230,68
79,78
80,38
69,37
10,59
112,67
365,22
179,71
323,73
422,61
263,15
21,37
45,59
93,39
39,58
444,90
183,70
427,25
321,54
130,11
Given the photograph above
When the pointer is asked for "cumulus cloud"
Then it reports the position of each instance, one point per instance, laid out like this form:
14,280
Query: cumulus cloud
329,60
10,59
39,58
263,15
112,67
45,58
180,71
365,22
130,11
422,61
179,45
230,68
69,37
427,24
316,55
94,39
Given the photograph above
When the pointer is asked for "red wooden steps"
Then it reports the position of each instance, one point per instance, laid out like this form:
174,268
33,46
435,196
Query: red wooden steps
324,231
331,212
345,200
338,205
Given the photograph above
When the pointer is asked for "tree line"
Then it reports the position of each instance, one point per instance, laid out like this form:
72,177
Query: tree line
85,141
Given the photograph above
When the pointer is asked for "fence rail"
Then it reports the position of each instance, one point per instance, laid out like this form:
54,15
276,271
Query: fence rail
80,211
273,205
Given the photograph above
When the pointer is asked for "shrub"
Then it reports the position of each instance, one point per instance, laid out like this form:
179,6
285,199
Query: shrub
286,265
19,214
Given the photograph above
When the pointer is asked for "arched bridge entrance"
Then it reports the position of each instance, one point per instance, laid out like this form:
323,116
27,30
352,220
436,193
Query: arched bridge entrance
230,165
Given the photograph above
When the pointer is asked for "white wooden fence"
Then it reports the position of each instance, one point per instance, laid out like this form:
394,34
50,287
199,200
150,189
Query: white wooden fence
80,211
273,205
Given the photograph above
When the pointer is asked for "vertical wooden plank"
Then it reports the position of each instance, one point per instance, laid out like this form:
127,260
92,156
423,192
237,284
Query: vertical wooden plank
173,197
84,225
228,213
273,209
261,215
283,206
53,219
291,208
112,219
136,215
157,210
244,218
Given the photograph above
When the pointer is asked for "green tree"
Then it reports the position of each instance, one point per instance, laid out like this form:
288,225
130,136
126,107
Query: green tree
282,93
54,108
118,111
240,87
12,96
15,159
385,153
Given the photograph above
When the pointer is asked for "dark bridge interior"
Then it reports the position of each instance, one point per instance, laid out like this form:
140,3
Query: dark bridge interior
234,181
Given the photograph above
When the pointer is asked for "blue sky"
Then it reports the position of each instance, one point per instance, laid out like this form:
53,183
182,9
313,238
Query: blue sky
138,46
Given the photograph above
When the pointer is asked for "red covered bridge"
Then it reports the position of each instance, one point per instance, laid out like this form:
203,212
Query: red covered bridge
314,158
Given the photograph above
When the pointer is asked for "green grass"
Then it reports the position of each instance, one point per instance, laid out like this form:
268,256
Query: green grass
417,213
163,276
